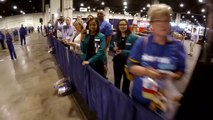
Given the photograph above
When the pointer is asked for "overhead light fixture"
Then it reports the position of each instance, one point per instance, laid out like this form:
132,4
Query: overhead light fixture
192,16
102,3
141,10
2,0
81,4
93,9
144,8
169,8
21,11
188,12
88,7
203,10
15,7
30,1
0,16
124,3
183,16
204,16
125,7
181,5
73,9
148,5
200,1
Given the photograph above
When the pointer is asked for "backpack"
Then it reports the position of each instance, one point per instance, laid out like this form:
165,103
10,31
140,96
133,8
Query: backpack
129,75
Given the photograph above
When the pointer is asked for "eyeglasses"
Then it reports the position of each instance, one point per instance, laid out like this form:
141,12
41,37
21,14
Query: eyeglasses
122,24
161,21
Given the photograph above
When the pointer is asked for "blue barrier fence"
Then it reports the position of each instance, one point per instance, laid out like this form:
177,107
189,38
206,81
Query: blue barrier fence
101,96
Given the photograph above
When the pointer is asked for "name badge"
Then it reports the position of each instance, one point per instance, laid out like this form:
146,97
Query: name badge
97,40
128,43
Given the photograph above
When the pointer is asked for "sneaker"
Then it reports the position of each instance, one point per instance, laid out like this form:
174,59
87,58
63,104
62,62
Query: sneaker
59,82
65,90
49,51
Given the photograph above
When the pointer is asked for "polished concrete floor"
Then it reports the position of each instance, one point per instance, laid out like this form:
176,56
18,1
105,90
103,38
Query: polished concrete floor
26,85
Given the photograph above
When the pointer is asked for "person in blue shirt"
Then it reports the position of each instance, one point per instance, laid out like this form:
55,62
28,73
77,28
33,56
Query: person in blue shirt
22,32
10,45
38,29
67,31
106,29
159,52
121,45
2,37
93,48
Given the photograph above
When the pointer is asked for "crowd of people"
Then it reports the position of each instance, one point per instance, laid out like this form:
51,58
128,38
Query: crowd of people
147,64
10,36
154,61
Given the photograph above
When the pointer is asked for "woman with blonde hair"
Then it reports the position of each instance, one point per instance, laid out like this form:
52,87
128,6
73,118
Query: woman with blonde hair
76,37
156,61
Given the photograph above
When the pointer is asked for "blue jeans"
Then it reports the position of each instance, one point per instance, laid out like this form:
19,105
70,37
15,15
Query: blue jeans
12,51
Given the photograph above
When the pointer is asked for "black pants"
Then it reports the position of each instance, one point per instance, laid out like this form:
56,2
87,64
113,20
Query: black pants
2,44
99,68
118,66
23,39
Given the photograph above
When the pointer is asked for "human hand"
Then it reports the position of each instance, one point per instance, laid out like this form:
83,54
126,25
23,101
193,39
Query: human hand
154,74
85,63
115,48
71,43
65,41
83,31
170,75
117,52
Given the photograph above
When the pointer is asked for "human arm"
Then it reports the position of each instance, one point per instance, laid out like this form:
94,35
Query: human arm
134,62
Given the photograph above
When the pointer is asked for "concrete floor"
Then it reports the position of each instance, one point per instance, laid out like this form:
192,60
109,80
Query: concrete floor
26,85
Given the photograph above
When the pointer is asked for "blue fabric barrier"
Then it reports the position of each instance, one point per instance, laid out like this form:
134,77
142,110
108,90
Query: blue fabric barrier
101,95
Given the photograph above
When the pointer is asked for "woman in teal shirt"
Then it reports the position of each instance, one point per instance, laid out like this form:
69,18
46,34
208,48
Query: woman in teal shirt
121,45
92,47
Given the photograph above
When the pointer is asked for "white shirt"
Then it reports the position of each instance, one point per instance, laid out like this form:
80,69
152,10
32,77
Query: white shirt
59,29
194,36
76,38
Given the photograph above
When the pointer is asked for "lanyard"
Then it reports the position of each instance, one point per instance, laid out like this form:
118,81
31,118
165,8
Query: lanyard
75,36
